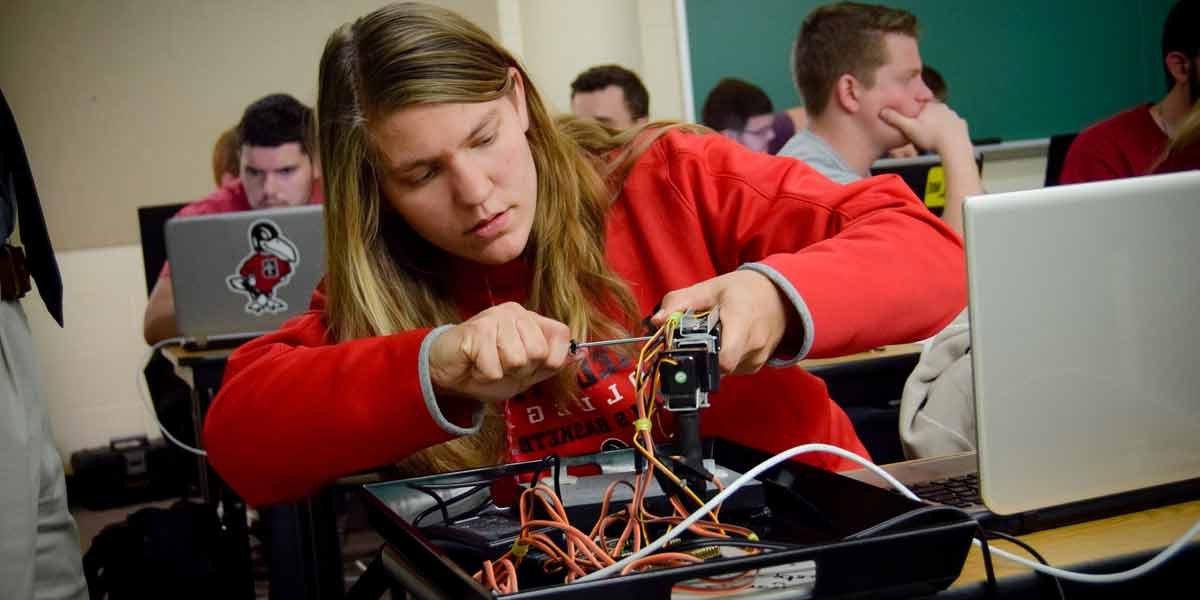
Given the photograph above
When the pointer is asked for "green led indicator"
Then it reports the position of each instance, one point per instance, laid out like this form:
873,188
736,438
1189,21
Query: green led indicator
680,377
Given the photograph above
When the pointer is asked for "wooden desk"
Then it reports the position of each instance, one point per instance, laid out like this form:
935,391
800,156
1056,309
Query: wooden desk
897,350
1149,530
1105,545
188,362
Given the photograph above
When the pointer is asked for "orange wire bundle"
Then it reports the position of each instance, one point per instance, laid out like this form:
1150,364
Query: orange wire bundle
581,553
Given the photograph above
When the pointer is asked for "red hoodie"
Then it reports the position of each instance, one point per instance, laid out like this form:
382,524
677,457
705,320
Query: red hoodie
864,265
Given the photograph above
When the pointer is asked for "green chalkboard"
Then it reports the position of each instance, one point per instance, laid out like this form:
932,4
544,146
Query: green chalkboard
1016,69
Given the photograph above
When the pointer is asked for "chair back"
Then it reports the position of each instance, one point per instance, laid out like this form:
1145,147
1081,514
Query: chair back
151,220
1056,154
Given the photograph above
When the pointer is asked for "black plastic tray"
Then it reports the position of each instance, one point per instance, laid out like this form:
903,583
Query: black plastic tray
811,508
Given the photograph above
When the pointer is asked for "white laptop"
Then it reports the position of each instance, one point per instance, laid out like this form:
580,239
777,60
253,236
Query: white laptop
1085,335
239,275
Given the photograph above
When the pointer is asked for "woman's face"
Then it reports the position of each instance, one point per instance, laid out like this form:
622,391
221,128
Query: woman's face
462,175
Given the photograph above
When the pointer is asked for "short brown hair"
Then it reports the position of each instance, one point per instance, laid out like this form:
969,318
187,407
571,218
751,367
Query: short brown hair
732,103
637,99
841,38
226,155
1180,34
275,120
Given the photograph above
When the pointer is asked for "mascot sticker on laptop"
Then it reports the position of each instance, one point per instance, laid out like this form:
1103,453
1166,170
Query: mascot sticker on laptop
269,266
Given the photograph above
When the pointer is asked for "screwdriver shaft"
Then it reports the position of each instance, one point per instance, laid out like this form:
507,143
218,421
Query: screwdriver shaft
576,346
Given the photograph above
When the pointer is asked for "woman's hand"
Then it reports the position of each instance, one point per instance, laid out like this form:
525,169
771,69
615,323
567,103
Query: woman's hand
754,316
498,353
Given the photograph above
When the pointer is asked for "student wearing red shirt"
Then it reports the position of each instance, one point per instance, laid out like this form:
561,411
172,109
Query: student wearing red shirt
470,237
1131,142
277,169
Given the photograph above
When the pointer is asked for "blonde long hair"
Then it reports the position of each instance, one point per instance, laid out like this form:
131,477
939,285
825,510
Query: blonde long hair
1186,136
382,276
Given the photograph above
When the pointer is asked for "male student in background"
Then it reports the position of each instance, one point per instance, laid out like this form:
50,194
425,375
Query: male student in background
278,168
741,111
859,70
1129,143
612,95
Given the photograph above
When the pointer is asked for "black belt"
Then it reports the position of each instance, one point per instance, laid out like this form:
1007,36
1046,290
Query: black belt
14,274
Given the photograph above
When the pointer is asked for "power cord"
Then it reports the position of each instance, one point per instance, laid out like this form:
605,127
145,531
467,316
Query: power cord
444,505
906,517
1034,553
988,569
1163,556
549,459
144,391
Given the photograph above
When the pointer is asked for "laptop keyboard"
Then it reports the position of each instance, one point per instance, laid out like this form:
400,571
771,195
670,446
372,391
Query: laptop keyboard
962,491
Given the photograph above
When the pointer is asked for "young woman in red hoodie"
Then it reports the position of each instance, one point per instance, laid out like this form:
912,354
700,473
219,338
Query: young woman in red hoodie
470,237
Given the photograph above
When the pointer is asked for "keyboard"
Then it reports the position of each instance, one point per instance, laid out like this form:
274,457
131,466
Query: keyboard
961,491
953,481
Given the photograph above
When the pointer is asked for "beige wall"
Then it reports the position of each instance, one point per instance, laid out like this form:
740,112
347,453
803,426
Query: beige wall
557,39
89,368
564,37
120,102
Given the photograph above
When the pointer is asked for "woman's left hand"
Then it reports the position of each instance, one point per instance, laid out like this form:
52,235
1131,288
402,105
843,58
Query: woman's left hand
754,316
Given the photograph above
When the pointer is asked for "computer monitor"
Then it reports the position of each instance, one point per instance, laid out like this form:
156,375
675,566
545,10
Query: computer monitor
924,175
1056,156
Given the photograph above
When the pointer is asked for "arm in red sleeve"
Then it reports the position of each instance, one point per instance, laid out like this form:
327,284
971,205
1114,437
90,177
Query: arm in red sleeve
864,264
296,411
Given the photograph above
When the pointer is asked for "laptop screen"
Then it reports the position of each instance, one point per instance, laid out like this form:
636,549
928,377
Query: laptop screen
1085,314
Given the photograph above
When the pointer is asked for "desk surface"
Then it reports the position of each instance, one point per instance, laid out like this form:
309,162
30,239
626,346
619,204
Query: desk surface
181,357
185,362
1095,540
875,353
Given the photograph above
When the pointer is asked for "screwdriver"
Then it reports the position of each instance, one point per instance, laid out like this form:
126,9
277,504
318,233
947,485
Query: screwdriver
577,346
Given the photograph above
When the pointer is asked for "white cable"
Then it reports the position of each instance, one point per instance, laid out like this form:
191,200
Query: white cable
1163,556
1166,554
144,392
729,490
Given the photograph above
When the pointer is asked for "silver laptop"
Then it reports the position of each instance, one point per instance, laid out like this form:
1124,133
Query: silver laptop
239,275
1085,320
